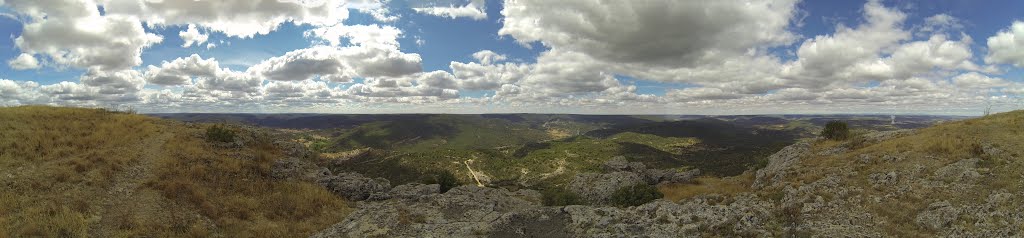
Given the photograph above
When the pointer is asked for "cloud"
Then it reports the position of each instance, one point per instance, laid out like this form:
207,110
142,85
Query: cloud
488,57
192,36
973,80
236,18
180,71
666,32
361,35
19,92
117,82
474,76
338,64
473,9
437,85
939,24
72,32
1007,46
850,54
24,61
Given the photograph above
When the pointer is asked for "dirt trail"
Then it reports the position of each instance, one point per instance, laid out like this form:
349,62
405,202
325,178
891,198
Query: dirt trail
128,203
472,172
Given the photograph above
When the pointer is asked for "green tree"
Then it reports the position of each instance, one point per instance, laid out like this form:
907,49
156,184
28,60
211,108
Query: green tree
836,130
444,178
635,195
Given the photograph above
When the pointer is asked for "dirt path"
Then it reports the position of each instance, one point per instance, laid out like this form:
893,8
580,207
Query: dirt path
472,172
127,203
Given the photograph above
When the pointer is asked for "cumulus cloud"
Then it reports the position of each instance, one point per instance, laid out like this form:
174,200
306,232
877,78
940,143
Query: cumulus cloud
667,32
24,61
180,71
76,34
488,57
192,36
338,64
116,82
1007,46
237,18
474,76
473,9
974,80
436,85
362,35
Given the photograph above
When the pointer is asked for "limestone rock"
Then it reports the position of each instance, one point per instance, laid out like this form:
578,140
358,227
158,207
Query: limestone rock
780,163
597,189
354,186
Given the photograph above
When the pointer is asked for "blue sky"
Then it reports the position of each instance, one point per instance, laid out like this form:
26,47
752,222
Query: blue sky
462,56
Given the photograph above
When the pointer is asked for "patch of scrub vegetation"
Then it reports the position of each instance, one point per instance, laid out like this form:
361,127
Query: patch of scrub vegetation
433,132
635,195
72,172
668,144
708,185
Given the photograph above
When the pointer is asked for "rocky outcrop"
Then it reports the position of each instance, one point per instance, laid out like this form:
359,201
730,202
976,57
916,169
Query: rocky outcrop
597,189
466,211
780,164
354,186
298,169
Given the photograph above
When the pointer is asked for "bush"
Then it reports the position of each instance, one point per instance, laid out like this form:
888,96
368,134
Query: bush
444,178
635,195
836,130
556,196
218,133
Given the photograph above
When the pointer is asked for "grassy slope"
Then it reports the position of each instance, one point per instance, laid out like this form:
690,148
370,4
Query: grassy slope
85,172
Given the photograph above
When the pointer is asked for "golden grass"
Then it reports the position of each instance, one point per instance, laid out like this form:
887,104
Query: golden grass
54,160
233,188
707,185
59,164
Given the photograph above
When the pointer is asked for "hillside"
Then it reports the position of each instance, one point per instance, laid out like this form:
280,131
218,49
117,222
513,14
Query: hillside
959,179
87,172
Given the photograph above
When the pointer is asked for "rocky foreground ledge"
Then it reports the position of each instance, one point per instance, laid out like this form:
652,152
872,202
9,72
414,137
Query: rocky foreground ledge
784,200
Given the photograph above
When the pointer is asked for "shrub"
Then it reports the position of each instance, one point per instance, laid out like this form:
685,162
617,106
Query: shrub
556,196
836,130
218,133
635,195
444,178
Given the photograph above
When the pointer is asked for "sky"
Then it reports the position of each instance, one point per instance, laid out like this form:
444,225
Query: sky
951,57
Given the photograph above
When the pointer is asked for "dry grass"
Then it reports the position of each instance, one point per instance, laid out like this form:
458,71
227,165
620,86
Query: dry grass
59,164
55,160
707,185
233,189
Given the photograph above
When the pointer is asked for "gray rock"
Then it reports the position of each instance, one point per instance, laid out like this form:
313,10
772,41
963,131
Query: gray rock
780,163
960,171
407,191
354,186
938,216
886,179
292,168
597,189
466,211
619,163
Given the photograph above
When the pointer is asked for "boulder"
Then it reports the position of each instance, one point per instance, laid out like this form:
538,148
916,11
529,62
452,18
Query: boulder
293,168
780,163
939,215
354,186
597,189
